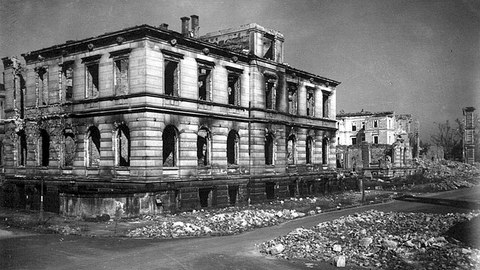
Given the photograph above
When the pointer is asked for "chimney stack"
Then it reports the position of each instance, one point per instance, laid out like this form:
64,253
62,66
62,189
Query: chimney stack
164,26
185,26
195,26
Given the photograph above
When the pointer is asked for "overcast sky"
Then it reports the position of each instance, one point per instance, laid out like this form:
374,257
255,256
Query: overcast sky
412,56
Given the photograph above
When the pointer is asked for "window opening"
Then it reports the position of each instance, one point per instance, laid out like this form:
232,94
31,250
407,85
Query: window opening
270,190
268,47
269,149
354,141
204,83
375,123
66,78
270,88
310,102
22,146
325,150
70,148
203,147
309,150
44,148
325,108
121,76
42,85
92,90
232,147
234,89
93,147
354,127
292,98
291,150
170,147
205,195
123,146
171,75
232,194
375,139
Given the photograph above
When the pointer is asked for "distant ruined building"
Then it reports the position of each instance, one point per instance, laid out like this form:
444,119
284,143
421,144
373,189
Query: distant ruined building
380,143
469,143
150,120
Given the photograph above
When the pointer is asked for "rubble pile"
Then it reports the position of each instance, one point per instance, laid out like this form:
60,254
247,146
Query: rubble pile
446,168
199,223
64,229
380,240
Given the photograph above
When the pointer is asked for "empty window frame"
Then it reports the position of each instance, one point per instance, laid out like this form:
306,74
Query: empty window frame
170,146
42,85
65,81
69,149
92,150
270,92
375,139
292,98
309,150
233,147
270,149
204,81
325,150
363,125
354,141
310,101
354,127
325,102
204,146
291,150
269,47
171,76
234,88
120,75
22,148
19,94
233,194
43,148
122,146
91,80
375,123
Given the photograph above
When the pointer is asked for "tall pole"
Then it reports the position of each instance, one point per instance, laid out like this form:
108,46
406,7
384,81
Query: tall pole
41,199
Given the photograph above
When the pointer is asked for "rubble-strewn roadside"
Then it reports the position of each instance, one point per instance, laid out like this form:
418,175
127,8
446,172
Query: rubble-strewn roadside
380,240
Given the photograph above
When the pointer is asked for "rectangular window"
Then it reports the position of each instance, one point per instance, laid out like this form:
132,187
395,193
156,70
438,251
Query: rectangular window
375,123
325,105
120,76
363,125
269,47
354,127
92,90
171,77
234,87
375,139
66,81
270,92
42,85
310,102
354,141
204,83
292,98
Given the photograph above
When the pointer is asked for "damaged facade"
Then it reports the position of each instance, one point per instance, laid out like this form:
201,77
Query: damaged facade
380,143
147,120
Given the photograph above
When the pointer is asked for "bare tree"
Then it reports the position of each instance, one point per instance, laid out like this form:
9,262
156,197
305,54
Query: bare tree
450,138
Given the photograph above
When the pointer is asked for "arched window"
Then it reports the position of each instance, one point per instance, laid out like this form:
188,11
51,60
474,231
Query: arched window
170,147
69,149
93,147
233,142
22,148
122,146
291,150
309,150
325,150
204,146
269,149
43,148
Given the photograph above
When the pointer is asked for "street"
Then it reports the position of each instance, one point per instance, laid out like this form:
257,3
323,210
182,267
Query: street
19,250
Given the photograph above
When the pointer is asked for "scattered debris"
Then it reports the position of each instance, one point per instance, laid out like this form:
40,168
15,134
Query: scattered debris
381,240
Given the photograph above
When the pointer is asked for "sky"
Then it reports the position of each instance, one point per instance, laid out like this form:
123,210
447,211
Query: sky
420,57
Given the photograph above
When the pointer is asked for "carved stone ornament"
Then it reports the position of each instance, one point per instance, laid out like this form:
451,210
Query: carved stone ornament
234,59
173,42
120,40
206,51
90,46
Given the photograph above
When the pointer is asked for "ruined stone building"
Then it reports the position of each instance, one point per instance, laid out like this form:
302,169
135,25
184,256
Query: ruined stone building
375,141
147,119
